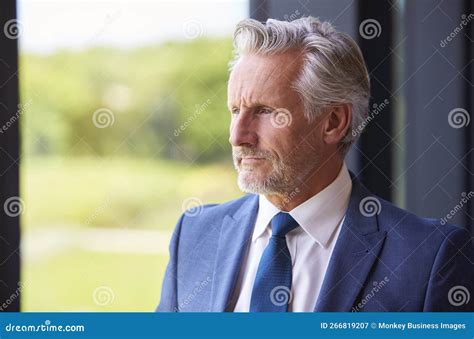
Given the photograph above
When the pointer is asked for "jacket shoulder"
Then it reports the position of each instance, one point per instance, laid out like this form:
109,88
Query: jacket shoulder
394,219
204,220
214,211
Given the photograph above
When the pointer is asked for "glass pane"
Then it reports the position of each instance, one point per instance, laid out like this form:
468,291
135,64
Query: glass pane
124,126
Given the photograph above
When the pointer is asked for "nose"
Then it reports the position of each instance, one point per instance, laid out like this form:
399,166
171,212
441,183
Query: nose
242,130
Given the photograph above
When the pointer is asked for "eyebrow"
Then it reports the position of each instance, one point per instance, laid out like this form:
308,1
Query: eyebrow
253,105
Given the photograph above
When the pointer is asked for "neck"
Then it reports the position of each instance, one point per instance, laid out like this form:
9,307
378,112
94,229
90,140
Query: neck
314,183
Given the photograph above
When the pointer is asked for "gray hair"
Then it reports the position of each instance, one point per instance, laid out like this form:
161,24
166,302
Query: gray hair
333,71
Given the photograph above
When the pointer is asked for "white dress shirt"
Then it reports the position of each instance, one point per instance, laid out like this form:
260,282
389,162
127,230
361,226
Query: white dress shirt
310,245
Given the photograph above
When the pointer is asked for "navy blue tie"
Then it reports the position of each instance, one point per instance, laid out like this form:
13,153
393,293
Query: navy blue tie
272,287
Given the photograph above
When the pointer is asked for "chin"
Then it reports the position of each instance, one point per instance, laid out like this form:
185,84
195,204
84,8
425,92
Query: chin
251,182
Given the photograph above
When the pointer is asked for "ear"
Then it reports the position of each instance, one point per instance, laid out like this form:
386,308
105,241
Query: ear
337,123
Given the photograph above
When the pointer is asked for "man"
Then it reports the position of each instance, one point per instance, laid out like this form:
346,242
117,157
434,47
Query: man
308,236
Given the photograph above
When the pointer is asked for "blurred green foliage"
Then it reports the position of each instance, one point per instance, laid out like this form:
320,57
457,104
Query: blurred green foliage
118,192
67,282
168,143
168,101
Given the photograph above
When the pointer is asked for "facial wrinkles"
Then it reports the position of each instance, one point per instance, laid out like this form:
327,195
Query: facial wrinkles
265,85
253,86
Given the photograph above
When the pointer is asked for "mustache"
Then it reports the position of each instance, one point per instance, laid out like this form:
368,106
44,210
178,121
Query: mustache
251,152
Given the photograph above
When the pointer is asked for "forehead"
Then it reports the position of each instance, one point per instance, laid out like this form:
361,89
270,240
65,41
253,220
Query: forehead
258,79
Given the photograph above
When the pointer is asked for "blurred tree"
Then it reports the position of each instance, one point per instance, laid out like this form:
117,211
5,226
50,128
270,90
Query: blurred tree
161,101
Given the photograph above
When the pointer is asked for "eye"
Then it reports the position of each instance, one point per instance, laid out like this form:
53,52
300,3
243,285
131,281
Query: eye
265,110
234,110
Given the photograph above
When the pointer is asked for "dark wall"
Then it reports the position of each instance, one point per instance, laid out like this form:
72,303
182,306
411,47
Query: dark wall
9,161
439,81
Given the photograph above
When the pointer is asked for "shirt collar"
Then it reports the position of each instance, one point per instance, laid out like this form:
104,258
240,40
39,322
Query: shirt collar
318,216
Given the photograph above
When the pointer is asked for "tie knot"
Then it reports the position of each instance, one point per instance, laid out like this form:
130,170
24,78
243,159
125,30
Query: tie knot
282,223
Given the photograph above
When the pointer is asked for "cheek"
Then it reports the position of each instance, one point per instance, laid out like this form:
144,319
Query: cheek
310,133
282,140
296,140
278,141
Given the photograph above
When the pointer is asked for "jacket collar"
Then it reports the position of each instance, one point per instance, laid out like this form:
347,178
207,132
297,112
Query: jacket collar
355,252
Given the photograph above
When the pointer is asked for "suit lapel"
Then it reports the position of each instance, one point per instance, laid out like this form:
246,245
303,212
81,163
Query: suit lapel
234,239
356,250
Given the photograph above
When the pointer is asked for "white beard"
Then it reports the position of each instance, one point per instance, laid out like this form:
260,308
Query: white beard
284,177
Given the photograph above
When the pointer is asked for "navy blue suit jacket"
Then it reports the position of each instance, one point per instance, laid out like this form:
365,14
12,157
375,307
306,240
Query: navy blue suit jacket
383,260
